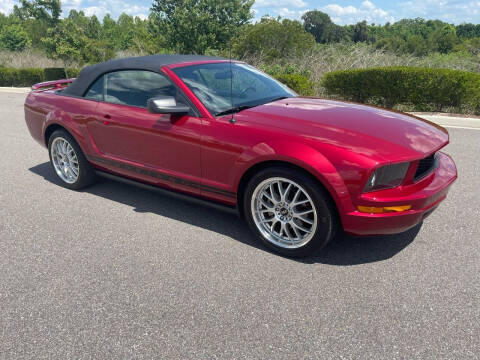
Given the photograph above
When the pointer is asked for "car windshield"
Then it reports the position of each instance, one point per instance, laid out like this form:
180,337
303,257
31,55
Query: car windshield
214,86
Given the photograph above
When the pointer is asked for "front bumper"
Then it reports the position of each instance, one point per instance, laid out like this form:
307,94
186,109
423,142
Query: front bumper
424,197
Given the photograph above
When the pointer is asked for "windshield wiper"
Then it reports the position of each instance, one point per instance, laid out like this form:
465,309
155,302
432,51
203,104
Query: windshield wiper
235,110
279,98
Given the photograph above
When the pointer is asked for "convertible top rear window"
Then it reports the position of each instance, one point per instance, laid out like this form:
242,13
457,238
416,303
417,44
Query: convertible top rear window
96,90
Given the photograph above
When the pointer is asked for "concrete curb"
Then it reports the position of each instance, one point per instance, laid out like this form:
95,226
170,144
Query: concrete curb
15,90
453,121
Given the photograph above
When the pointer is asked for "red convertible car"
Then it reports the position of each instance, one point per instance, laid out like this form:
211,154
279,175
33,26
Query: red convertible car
296,168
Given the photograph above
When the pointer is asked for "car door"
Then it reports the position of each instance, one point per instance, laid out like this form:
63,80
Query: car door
158,148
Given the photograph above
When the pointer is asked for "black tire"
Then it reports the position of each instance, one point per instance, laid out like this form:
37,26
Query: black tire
327,219
86,174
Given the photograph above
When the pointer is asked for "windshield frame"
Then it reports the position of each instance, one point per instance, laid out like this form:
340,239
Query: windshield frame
237,106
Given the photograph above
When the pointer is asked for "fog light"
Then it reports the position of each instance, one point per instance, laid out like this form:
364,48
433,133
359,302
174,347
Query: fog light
382,210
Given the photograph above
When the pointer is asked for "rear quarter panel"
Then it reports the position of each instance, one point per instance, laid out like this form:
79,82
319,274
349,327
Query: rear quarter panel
46,108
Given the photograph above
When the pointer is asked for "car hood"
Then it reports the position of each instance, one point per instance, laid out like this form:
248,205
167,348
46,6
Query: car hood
371,131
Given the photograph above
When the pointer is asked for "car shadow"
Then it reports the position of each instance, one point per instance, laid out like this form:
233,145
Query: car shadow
344,250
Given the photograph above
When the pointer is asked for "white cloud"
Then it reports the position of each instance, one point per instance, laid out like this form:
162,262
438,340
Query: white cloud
280,3
290,14
453,11
72,3
292,9
103,7
340,10
94,10
350,14
368,5
6,6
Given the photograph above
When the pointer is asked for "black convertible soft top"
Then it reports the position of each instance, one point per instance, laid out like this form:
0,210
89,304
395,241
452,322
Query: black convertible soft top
152,62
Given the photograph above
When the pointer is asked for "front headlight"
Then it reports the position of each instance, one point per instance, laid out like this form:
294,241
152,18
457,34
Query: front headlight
387,177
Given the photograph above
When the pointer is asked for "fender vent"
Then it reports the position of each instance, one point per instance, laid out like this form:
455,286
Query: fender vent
426,166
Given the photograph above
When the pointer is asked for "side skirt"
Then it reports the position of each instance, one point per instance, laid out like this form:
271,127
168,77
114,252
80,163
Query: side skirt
170,193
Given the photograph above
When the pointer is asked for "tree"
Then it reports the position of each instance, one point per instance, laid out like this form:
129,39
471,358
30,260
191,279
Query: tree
317,23
45,10
394,44
473,46
322,27
417,45
468,31
94,28
360,32
66,42
443,40
145,40
110,32
193,26
14,38
274,38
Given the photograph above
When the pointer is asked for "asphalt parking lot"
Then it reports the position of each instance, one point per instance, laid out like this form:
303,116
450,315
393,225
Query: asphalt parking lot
117,272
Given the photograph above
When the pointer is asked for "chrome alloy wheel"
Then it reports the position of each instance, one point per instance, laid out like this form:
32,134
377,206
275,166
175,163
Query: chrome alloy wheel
64,160
284,213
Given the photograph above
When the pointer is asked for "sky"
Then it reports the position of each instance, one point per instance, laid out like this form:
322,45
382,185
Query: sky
341,11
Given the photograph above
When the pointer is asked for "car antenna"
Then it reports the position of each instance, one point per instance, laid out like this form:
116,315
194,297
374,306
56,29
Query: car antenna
232,119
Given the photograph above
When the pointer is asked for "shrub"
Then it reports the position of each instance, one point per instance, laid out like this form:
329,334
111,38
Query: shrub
7,77
72,72
299,83
30,76
291,76
54,73
424,88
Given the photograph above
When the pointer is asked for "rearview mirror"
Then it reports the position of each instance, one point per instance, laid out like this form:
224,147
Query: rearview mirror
166,105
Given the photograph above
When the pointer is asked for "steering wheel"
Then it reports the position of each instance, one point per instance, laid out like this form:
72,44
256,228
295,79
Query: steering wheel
194,88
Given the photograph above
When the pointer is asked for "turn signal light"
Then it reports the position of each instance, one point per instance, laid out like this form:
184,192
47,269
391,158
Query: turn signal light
382,210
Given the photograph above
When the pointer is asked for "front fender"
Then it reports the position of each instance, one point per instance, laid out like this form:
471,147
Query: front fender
301,155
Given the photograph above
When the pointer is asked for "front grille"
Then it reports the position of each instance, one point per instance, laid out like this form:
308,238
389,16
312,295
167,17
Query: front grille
426,166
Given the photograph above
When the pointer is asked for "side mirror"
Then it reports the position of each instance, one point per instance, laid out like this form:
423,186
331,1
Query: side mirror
166,105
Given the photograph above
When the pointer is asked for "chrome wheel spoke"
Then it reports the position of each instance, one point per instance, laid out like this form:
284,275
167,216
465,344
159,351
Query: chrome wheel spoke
268,196
297,194
305,230
272,226
305,220
284,193
300,202
284,213
297,234
268,206
272,192
65,160
306,212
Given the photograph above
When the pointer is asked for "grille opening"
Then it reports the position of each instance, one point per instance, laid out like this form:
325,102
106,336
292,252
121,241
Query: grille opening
426,166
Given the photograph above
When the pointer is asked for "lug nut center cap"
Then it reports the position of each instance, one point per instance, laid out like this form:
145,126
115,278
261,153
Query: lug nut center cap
283,212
